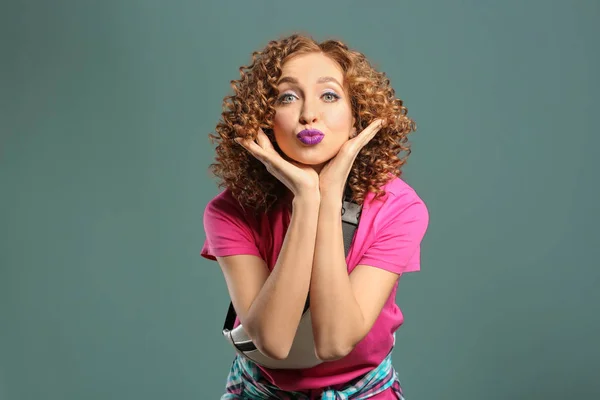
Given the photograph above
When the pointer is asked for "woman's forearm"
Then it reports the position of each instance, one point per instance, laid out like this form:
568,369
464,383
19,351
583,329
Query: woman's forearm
336,315
275,313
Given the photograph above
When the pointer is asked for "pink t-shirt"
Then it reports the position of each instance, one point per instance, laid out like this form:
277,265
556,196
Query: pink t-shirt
388,236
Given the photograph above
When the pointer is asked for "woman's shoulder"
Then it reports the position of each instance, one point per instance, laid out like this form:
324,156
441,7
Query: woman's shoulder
398,191
399,211
224,204
399,203
223,199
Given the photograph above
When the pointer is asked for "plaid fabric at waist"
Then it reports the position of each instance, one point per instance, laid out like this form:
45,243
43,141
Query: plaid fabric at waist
246,382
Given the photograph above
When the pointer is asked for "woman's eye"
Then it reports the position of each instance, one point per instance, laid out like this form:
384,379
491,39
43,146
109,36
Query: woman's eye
286,98
330,97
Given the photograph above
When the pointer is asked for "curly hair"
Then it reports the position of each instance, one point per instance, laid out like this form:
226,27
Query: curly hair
252,107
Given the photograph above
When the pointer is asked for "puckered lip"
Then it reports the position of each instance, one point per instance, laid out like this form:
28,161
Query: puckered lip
309,132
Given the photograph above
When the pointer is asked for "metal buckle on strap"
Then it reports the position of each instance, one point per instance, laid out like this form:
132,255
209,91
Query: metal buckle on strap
350,212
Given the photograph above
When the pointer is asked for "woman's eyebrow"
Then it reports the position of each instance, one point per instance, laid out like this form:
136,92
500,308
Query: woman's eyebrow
288,79
294,81
325,79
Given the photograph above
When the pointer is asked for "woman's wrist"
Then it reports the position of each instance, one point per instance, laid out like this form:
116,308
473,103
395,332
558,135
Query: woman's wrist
331,200
309,199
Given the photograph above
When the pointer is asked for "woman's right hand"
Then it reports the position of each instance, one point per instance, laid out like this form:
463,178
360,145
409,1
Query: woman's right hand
300,179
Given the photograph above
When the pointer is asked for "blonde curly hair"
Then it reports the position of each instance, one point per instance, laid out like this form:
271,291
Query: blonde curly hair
252,106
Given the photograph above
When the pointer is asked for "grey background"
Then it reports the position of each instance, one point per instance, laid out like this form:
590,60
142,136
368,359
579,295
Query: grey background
105,111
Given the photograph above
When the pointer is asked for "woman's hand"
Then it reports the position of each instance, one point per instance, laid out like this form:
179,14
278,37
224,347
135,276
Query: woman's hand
334,174
300,179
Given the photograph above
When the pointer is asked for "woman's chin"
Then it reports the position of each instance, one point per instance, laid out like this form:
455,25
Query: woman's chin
311,160
315,164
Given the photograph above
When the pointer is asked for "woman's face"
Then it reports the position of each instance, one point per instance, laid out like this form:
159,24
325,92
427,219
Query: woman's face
313,115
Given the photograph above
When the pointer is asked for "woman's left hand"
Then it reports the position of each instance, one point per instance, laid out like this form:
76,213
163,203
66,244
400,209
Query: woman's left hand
334,174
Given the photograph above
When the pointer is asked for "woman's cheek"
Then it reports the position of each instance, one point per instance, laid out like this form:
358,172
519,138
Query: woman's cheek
282,120
340,122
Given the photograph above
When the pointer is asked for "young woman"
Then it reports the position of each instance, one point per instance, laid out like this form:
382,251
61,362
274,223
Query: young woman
307,122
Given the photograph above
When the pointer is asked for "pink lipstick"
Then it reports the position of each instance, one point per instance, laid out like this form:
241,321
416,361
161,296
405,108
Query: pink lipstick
310,136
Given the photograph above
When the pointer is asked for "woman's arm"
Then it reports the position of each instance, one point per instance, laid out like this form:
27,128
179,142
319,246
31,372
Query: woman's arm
270,305
343,307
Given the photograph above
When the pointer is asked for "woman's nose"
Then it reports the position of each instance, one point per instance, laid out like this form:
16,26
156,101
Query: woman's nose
308,114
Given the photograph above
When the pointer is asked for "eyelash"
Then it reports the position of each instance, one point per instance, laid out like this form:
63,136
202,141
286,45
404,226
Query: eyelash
283,96
335,96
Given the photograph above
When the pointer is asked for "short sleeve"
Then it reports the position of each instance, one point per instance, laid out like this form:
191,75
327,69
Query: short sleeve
227,229
397,242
